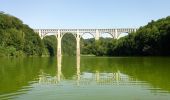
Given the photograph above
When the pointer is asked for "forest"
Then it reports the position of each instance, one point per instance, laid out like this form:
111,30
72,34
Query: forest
150,40
18,39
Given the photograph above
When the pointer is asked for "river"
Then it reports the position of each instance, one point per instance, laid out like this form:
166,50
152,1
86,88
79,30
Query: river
85,78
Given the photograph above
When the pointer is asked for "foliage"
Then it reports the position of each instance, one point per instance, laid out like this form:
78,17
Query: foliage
68,45
50,43
18,39
87,46
150,40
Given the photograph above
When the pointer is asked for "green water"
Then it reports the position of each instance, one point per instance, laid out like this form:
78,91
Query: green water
85,78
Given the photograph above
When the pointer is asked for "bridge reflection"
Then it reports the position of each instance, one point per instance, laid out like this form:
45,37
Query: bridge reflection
22,76
85,78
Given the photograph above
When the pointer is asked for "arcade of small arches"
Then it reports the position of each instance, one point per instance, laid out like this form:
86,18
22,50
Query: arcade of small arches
78,33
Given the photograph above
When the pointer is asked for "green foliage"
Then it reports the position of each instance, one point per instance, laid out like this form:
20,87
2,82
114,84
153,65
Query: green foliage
87,46
68,45
153,38
18,39
50,43
150,40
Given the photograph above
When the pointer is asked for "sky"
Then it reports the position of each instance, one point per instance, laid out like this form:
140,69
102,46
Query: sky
86,13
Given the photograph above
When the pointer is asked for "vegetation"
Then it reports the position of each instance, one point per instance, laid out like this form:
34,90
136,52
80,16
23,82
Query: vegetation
18,39
150,40
50,43
87,46
68,45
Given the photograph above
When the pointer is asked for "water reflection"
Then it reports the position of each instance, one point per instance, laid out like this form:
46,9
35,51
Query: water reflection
98,77
59,68
78,69
116,76
47,79
84,78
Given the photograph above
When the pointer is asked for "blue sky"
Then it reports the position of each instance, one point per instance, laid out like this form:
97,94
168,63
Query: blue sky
86,13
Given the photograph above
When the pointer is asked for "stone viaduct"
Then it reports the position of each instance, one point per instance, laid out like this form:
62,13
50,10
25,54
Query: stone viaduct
78,33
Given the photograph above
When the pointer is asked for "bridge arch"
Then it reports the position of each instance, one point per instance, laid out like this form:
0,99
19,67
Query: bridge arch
71,44
122,34
63,34
107,35
45,33
87,34
49,34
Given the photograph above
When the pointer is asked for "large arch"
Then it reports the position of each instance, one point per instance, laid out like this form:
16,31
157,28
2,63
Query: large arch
68,42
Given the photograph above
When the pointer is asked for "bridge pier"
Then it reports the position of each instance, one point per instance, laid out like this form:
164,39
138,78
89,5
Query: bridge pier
59,43
97,36
78,43
59,59
78,70
116,34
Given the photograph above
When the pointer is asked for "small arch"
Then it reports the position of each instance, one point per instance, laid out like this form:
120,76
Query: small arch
48,34
106,35
87,35
122,34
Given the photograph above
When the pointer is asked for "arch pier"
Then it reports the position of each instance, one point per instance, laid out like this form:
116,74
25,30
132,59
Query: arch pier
59,33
